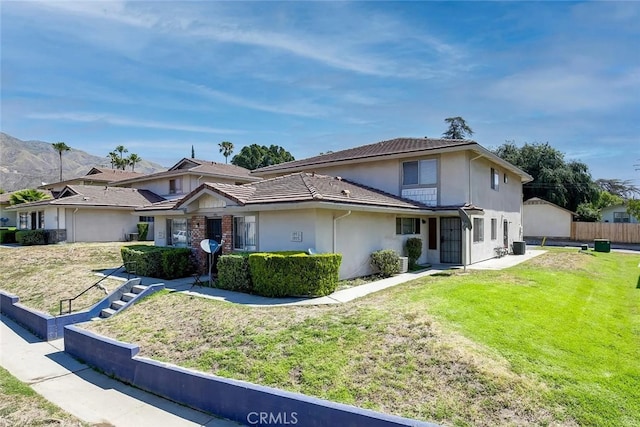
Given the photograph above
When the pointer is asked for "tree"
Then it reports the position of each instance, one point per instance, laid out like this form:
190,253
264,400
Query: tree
113,159
256,156
567,184
592,212
226,148
193,153
60,147
621,188
26,196
633,208
458,128
133,159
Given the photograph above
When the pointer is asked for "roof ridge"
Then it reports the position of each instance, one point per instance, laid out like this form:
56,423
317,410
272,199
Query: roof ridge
315,194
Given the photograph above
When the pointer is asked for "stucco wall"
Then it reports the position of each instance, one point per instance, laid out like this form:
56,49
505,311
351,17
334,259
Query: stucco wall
189,183
99,225
544,220
11,215
607,214
454,179
276,229
485,249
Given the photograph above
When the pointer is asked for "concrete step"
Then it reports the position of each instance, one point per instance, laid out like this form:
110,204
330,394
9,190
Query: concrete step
128,296
107,312
117,305
138,288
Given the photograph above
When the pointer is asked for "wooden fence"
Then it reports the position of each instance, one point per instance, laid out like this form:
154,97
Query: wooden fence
615,232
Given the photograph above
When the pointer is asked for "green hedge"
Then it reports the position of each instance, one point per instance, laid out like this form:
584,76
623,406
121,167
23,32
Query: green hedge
278,275
31,237
160,262
143,230
413,246
386,261
7,235
233,273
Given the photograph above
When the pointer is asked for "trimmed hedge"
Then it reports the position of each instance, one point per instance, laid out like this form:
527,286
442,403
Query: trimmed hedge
31,237
278,275
233,273
8,235
159,262
386,261
413,246
143,230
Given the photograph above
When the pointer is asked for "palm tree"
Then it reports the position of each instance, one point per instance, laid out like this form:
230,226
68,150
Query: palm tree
114,159
226,148
26,196
60,147
133,159
458,128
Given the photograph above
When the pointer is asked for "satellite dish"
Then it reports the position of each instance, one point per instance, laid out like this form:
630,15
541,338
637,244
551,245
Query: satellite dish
210,246
466,221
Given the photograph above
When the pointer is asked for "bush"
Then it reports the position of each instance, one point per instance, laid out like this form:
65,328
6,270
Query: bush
278,275
7,236
159,262
233,273
31,237
386,262
413,246
143,230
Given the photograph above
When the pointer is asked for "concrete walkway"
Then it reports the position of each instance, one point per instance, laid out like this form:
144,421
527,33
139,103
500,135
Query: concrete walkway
83,392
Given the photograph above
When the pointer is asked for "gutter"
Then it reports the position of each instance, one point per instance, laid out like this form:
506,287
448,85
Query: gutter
335,224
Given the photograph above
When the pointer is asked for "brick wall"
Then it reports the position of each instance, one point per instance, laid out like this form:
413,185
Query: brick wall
227,234
197,228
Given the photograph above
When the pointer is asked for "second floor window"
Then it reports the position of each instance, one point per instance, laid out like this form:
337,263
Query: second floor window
175,186
420,172
495,179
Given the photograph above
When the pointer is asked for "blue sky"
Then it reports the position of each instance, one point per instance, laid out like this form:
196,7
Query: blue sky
159,77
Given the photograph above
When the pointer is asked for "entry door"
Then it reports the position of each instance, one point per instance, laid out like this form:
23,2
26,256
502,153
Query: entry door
450,240
505,233
214,232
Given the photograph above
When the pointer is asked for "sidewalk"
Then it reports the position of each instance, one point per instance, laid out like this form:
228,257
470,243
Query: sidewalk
85,393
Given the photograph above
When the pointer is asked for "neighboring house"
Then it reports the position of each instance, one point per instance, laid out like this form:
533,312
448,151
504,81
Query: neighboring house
10,218
86,213
96,176
360,200
545,219
618,214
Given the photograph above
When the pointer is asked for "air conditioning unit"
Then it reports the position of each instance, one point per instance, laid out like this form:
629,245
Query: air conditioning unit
403,265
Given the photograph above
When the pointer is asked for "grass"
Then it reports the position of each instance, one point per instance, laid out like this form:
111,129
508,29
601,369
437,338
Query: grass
21,406
43,275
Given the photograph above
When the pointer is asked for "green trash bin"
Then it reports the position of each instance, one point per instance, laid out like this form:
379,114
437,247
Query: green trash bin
602,245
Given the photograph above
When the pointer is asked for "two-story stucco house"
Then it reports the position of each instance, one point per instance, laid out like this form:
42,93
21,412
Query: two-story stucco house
366,198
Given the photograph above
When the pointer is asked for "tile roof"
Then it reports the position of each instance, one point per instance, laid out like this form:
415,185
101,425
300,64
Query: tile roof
100,196
382,148
99,175
307,187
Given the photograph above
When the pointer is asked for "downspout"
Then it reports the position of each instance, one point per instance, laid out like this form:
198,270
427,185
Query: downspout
335,226
74,225
470,243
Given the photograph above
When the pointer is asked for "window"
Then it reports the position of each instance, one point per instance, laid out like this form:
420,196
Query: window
505,179
478,230
621,217
177,232
146,219
407,225
175,186
494,229
244,233
433,233
41,219
495,179
24,221
423,172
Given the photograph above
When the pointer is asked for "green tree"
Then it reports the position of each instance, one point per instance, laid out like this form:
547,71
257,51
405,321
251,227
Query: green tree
60,147
621,188
633,208
26,196
458,128
256,156
193,153
226,148
132,160
567,184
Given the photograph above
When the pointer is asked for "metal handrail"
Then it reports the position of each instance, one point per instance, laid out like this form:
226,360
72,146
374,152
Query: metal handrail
98,285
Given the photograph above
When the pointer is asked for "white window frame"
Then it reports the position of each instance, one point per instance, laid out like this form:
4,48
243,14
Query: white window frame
407,226
245,233
427,173
178,232
621,217
495,179
23,221
175,186
41,220
478,230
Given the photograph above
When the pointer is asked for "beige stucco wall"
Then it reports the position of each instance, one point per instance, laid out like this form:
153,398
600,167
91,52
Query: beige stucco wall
189,183
544,220
99,225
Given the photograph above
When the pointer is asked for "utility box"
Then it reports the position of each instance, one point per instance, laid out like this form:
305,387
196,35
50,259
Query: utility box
602,245
519,248
403,265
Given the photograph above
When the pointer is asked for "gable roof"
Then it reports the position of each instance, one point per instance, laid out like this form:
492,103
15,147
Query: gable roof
306,187
206,168
393,148
97,175
539,201
98,196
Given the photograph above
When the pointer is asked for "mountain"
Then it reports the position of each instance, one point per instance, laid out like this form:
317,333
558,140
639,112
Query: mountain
29,164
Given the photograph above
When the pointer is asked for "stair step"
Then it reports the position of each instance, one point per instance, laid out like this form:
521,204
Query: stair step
107,312
138,288
128,296
117,305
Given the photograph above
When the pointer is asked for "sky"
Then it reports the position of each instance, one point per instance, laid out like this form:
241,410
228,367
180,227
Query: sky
160,77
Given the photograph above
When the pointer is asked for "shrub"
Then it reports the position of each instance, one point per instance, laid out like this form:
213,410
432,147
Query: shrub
143,230
159,262
7,236
278,275
31,237
386,262
413,246
233,273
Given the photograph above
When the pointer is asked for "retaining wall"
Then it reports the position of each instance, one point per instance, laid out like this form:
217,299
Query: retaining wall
243,402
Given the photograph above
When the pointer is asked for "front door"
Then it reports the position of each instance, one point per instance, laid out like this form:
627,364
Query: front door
214,232
505,233
450,240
